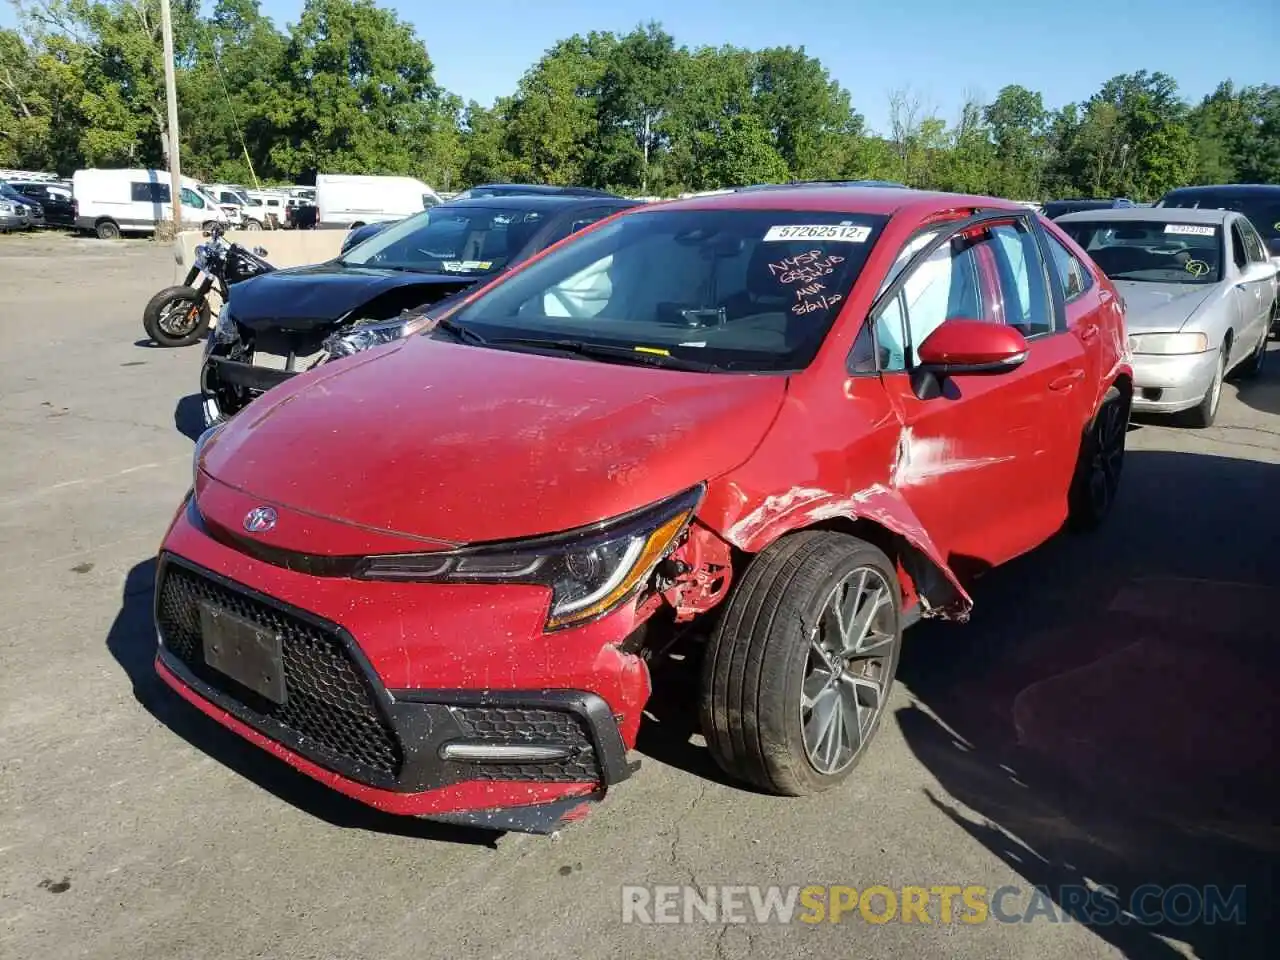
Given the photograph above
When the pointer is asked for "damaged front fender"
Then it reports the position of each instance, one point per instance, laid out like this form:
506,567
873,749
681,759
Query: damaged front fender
933,582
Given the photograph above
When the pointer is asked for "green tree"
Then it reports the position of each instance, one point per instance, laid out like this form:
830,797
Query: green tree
356,94
1019,125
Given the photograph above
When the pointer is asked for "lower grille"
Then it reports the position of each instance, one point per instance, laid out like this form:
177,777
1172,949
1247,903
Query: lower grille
558,728
330,714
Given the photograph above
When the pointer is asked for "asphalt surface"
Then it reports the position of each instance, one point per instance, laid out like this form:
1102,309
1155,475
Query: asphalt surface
1108,717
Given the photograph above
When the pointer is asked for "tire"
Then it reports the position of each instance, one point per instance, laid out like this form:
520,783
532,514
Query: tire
252,225
155,317
107,230
1203,415
1253,364
759,662
1101,463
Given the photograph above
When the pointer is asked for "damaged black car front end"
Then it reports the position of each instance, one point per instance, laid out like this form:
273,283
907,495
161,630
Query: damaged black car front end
289,321
244,358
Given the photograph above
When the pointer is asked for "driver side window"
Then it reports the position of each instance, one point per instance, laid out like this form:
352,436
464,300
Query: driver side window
191,199
945,286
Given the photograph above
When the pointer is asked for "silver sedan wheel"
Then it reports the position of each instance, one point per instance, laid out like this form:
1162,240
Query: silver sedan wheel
1216,387
847,670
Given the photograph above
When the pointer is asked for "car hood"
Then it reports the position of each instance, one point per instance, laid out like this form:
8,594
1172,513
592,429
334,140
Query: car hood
1160,306
300,298
431,439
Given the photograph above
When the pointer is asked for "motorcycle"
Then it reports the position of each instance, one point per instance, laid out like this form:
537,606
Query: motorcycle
179,316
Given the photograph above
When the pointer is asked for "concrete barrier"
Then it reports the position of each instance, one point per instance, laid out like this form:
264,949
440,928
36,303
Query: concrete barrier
285,248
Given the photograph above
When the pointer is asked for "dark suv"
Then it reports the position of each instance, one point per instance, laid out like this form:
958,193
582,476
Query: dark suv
1054,209
1258,201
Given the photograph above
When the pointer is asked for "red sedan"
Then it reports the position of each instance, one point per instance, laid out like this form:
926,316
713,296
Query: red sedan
789,422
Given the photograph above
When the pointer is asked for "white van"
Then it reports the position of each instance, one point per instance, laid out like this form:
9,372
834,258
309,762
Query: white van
112,202
347,201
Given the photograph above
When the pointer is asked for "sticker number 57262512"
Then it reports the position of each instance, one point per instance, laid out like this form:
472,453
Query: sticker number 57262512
842,233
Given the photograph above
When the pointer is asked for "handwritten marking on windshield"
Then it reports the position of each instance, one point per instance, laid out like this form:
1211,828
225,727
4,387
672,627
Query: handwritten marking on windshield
822,303
804,267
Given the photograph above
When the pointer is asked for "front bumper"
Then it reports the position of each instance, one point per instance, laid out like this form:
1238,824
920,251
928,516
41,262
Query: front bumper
13,221
1170,384
382,719
227,386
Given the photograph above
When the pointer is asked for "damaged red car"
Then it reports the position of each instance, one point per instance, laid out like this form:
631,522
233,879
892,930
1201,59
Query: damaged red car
786,423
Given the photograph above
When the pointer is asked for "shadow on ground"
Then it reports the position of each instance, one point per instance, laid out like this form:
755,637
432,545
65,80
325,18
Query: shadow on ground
132,643
188,416
1109,714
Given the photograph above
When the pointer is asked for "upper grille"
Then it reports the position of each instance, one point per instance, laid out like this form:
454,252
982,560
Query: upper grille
330,714
532,725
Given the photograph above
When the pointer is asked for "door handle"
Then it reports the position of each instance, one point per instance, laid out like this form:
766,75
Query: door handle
1067,380
1089,332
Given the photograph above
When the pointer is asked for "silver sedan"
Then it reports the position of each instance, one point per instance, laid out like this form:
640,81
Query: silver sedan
1200,293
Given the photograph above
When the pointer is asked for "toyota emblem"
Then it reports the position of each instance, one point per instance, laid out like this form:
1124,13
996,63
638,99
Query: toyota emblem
260,519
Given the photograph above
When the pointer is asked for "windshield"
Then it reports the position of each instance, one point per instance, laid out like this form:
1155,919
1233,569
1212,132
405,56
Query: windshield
740,289
1262,211
1152,251
450,239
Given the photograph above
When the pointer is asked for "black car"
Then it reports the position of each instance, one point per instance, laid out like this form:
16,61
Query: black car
55,198
1054,209
23,205
282,323
366,230
531,189
1259,202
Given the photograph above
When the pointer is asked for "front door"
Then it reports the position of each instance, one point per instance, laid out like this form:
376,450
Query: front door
981,464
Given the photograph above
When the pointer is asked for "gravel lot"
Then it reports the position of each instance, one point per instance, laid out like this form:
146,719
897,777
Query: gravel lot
1108,715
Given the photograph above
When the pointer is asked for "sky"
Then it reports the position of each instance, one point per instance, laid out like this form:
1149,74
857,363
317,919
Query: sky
943,50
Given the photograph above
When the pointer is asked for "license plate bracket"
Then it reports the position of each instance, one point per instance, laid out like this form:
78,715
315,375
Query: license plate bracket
243,651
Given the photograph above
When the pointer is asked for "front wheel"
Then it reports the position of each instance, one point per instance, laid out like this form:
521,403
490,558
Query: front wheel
252,225
1204,413
799,669
176,316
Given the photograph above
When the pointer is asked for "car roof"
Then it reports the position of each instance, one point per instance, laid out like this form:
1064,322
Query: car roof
542,201
884,201
545,189
1236,189
1152,214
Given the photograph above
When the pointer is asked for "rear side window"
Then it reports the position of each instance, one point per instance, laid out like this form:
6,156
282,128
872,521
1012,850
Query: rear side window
1252,243
1071,275
1023,295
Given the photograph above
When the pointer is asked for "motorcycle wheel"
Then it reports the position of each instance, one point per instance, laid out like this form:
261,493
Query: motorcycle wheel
176,317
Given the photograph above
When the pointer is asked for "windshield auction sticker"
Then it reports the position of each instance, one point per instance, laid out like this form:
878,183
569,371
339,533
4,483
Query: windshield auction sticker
841,233
1188,230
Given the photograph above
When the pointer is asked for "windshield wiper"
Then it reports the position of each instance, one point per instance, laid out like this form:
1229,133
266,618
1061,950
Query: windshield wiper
464,334
602,351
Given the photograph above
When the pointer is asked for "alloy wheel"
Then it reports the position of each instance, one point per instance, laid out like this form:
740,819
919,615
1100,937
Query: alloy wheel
180,318
1218,376
1108,454
847,670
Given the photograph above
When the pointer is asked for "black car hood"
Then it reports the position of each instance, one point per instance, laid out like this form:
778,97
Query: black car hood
320,294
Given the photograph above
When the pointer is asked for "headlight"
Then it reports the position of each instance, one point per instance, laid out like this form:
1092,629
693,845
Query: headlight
224,331
201,442
590,571
6,207
1169,343
366,335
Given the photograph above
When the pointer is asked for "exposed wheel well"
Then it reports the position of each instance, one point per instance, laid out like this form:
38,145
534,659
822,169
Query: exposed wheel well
1229,339
920,577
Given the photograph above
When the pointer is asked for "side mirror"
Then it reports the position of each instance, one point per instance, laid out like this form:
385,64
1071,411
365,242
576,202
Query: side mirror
972,346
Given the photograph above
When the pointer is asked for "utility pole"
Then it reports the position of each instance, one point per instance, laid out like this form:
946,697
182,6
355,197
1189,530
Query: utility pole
171,94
